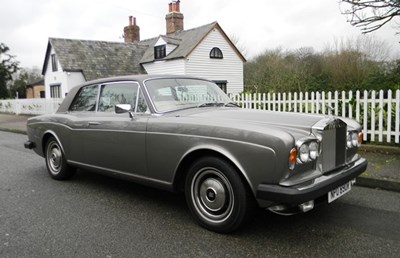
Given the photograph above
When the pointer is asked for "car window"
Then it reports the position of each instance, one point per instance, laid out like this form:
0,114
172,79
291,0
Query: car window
86,99
173,94
121,93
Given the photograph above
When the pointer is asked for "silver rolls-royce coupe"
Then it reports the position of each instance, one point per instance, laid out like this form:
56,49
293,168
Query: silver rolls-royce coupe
181,133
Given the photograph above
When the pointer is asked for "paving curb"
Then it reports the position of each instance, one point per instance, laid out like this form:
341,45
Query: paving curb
380,149
376,183
13,130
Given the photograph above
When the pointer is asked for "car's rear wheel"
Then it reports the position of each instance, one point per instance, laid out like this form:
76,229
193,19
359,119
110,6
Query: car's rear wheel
55,161
216,195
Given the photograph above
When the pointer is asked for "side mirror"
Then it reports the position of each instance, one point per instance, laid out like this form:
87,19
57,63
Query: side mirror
124,108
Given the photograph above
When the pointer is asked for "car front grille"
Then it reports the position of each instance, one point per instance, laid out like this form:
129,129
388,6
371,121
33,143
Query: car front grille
333,149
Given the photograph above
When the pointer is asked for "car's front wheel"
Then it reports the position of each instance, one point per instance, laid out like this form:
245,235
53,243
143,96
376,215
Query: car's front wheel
216,195
55,161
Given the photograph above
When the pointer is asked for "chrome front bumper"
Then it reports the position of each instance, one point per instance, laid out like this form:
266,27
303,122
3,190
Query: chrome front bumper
320,187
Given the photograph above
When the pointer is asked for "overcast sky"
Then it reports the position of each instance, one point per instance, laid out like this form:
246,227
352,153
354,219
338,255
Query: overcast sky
26,25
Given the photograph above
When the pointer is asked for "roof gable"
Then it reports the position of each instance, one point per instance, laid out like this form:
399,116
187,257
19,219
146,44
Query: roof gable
96,59
186,40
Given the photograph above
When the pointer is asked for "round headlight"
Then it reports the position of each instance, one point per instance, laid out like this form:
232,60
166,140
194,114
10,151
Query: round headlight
354,139
304,153
313,146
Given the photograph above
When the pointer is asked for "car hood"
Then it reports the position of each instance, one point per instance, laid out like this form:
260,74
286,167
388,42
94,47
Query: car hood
231,116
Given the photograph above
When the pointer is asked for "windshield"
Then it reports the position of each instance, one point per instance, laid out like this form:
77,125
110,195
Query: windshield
168,94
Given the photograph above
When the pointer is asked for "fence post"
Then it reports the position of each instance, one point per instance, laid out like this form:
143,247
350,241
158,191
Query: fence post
358,106
312,102
264,102
273,101
350,105
365,109
343,104
373,101
284,102
389,116
279,101
306,101
301,102
380,117
336,103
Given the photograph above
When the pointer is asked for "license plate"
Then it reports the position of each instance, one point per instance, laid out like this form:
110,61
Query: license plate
340,191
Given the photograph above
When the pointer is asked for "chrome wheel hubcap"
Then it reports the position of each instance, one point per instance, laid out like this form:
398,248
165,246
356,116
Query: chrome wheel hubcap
54,157
212,195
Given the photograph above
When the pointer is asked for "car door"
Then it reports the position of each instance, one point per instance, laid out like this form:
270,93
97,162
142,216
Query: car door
112,141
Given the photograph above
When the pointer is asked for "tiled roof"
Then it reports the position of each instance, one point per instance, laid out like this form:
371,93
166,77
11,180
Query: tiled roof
186,40
98,59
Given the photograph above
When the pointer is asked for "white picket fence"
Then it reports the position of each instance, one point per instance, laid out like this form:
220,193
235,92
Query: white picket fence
30,106
377,111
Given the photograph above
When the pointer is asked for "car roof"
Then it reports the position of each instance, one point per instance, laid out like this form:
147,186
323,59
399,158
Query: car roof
139,78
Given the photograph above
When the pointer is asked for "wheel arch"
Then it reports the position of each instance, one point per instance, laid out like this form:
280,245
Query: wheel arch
46,136
191,156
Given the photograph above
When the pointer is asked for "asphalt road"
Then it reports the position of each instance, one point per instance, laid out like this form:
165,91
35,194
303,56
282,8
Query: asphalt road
97,216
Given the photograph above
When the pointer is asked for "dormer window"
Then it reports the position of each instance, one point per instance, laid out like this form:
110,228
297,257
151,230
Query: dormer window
216,53
159,52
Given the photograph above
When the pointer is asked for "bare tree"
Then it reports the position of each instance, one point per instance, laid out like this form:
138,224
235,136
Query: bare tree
235,39
370,15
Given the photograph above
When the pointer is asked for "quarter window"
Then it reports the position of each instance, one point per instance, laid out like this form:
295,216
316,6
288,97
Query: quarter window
216,53
86,99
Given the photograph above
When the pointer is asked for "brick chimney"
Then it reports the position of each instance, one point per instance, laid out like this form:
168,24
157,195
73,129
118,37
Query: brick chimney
132,31
174,18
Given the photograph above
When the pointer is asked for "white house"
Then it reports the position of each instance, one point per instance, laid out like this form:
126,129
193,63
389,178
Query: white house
205,51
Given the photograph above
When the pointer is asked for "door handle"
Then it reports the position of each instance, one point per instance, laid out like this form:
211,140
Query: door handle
94,123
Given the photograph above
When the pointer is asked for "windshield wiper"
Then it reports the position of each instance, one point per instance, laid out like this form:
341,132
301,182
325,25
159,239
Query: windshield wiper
210,104
218,104
231,104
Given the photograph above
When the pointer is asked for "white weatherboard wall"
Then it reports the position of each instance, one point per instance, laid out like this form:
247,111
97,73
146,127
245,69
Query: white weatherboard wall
230,68
66,80
176,66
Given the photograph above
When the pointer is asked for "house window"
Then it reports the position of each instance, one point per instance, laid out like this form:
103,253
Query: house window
222,85
54,63
55,91
216,53
159,52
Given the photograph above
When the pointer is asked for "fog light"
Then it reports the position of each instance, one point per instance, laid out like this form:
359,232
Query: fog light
307,206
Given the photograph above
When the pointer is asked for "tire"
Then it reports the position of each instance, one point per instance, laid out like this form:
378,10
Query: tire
55,161
217,196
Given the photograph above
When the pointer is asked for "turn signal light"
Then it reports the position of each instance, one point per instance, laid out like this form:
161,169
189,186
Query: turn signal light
360,138
292,158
